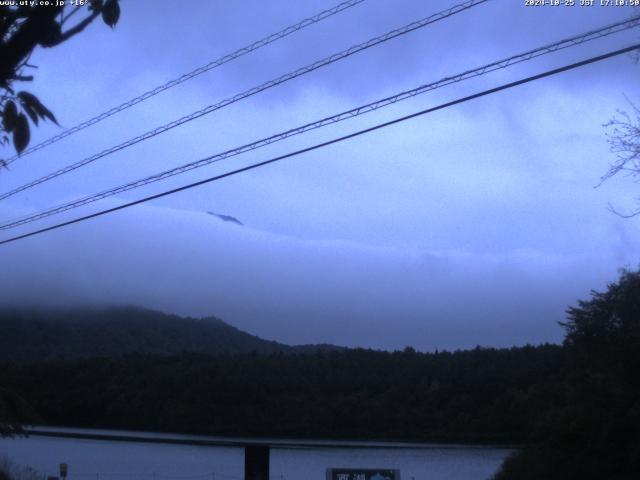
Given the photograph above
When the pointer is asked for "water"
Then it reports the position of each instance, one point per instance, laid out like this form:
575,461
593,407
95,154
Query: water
116,460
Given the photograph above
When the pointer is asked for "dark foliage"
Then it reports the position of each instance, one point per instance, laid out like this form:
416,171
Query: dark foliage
597,434
14,412
481,395
22,29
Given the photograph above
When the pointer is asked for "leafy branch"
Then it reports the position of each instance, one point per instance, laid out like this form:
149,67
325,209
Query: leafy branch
22,29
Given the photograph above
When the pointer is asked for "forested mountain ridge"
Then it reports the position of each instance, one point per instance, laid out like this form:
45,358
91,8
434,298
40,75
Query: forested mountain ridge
133,368
36,335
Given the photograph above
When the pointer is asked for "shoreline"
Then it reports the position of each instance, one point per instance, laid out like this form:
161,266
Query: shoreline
240,442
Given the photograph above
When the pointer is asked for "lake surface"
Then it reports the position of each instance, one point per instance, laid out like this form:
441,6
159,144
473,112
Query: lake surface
128,460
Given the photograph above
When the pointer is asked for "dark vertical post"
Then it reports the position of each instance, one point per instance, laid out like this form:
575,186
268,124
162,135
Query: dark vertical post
256,463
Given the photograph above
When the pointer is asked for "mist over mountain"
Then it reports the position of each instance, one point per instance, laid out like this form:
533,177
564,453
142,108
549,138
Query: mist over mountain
40,334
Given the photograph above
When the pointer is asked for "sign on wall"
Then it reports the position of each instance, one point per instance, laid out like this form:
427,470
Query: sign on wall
362,474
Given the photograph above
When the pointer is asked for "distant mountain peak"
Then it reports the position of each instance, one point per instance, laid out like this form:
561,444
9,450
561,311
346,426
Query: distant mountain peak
226,218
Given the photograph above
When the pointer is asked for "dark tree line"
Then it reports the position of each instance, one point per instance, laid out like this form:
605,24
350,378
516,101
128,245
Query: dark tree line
481,395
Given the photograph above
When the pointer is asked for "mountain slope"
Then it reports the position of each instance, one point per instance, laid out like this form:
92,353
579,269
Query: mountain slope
42,335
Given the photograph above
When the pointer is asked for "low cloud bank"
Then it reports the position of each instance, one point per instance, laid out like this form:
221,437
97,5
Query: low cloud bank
301,291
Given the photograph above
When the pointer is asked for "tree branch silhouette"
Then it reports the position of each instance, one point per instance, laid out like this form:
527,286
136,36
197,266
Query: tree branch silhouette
23,29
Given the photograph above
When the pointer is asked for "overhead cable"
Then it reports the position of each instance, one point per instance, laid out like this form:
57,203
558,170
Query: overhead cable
500,64
272,83
192,74
483,93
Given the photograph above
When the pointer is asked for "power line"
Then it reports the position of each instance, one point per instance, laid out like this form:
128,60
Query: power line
272,83
358,133
192,74
504,63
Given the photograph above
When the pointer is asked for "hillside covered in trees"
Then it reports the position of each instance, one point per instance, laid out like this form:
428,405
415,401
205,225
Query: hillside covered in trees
38,335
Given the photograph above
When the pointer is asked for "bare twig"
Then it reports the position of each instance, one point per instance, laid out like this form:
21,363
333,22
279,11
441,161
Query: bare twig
624,141
634,213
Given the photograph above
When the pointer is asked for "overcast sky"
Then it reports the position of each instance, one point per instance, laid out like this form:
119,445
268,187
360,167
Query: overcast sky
478,224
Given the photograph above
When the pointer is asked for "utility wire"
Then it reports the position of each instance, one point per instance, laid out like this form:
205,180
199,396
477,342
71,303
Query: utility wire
272,83
358,133
370,107
194,73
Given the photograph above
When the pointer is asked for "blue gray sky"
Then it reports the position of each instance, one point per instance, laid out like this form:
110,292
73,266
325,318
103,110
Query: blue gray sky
478,224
